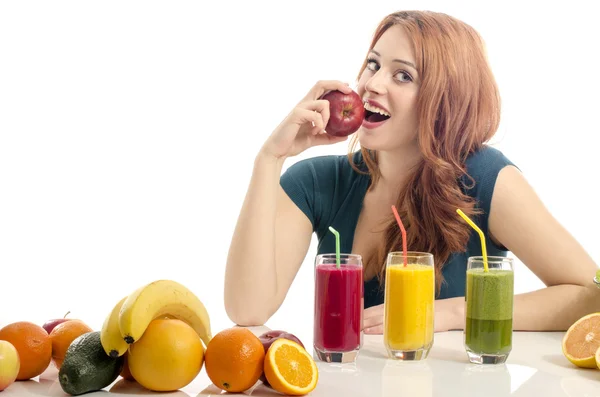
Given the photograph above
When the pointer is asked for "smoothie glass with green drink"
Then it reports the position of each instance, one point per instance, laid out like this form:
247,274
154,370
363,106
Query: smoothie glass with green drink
489,309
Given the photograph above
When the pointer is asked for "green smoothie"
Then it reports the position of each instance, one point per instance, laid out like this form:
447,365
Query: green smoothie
489,305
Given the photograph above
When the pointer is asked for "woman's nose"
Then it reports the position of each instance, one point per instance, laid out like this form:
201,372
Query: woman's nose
376,84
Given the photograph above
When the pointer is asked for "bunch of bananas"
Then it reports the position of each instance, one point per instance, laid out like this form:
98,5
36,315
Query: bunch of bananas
130,317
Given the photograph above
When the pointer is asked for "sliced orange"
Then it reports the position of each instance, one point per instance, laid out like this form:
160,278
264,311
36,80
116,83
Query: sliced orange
582,340
290,369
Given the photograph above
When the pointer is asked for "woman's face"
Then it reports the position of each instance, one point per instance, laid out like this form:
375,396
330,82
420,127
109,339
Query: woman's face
389,86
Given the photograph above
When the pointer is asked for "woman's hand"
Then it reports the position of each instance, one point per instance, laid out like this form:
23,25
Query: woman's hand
304,126
447,316
373,320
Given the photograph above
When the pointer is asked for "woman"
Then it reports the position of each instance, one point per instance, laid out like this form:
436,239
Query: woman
432,104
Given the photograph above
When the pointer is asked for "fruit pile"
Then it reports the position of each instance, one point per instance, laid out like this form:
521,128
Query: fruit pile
153,336
27,349
160,337
236,359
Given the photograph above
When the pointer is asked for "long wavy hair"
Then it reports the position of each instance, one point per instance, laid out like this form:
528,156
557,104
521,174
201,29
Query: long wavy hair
458,109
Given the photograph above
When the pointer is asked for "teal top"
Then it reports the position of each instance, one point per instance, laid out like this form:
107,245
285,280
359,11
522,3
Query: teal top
330,192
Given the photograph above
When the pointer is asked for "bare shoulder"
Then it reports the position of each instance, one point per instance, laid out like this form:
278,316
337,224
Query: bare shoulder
520,221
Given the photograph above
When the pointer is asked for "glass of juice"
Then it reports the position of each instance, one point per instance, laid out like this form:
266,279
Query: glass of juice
338,307
409,305
489,309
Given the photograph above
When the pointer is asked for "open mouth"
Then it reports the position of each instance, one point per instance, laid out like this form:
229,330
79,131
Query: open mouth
375,117
374,114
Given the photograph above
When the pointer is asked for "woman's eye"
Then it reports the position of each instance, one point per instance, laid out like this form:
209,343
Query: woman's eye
372,65
404,77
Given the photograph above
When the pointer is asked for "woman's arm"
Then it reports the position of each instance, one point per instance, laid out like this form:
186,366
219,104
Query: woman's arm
268,246
520,222
272,234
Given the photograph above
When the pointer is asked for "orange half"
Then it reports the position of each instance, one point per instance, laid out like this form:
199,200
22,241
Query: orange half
289,368
582,340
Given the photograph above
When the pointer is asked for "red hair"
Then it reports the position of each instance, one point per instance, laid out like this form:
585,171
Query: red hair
458,110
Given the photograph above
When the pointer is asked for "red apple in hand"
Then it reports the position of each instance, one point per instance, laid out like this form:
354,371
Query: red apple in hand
346,113
50,324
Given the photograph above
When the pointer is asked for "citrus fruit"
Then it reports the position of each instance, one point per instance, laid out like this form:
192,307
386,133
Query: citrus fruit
33,345
9,364
582,340
234,359
167,357
62,335
290,369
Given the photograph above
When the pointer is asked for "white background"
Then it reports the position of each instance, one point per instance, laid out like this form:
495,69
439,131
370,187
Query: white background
128,133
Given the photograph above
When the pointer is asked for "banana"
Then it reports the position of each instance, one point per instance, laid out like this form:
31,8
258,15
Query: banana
110,335
160,298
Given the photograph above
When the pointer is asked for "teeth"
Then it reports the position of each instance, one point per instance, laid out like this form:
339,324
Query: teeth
375,109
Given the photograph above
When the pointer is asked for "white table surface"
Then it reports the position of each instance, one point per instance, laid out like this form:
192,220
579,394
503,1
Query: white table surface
536,367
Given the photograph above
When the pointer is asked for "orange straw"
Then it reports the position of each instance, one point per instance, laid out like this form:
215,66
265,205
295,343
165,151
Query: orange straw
404,247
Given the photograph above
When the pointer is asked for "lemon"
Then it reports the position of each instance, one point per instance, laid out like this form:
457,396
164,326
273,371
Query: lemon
582,340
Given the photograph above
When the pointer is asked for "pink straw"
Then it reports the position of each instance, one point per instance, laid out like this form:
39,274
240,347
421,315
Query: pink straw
404,248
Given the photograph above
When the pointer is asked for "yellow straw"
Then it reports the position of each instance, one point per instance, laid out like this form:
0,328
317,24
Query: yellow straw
481,236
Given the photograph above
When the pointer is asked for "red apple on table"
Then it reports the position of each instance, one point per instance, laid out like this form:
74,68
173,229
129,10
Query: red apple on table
267,340
50,324
269,337
346,113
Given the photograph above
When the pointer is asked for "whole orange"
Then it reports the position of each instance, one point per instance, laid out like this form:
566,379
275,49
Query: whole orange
234,359
62,335
167,357
33,345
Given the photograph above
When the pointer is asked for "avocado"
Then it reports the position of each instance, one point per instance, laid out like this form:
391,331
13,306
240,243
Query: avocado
87,367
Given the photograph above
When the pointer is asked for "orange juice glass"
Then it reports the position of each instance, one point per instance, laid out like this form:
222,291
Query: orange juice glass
409,305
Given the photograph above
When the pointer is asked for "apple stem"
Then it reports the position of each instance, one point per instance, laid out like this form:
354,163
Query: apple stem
65,316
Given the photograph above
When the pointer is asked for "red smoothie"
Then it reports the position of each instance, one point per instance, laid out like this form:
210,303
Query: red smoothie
338,307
